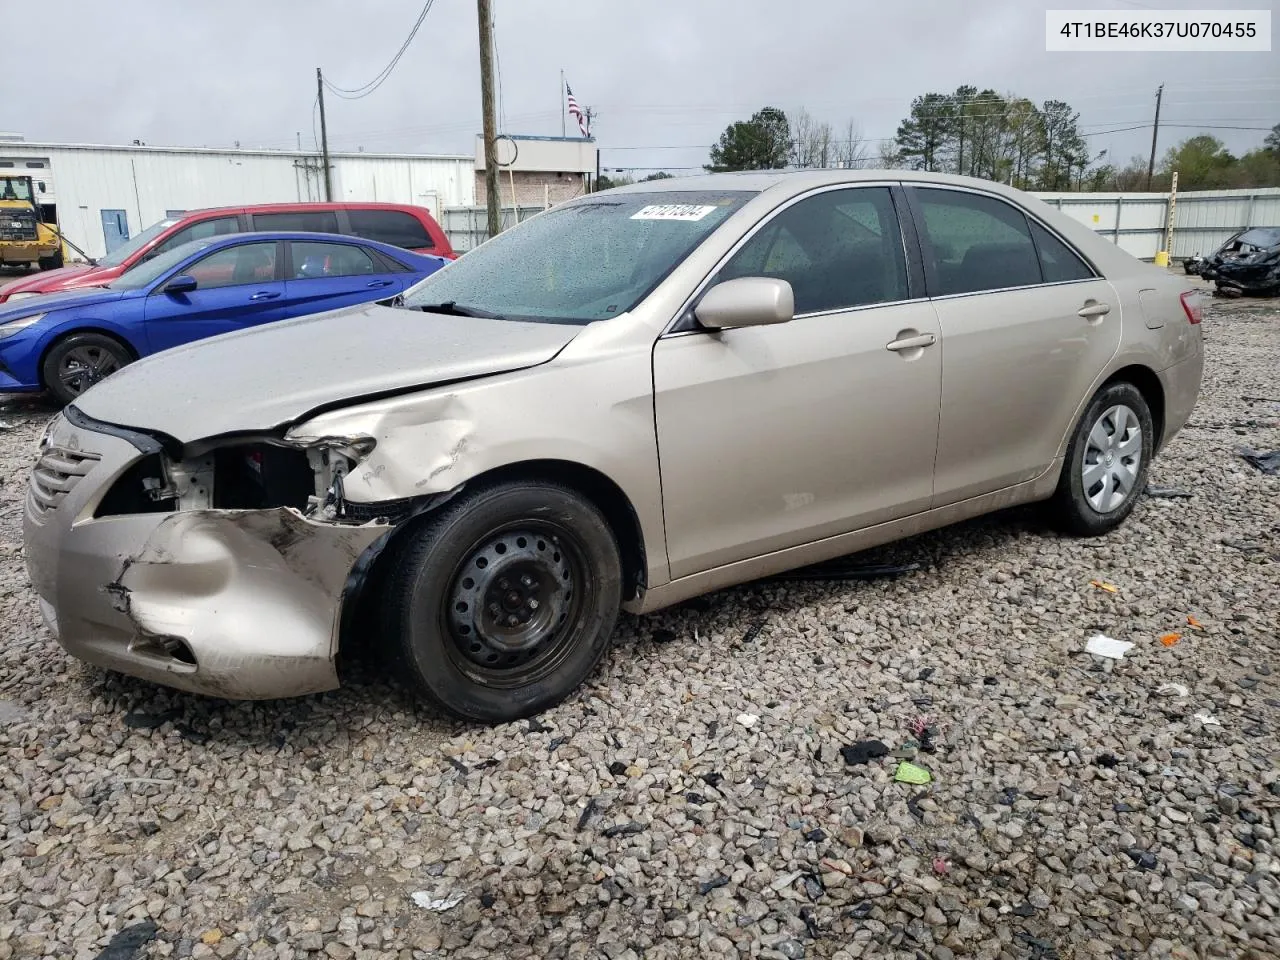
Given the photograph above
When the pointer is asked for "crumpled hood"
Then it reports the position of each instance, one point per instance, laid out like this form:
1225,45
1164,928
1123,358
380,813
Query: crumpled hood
271,375
89,297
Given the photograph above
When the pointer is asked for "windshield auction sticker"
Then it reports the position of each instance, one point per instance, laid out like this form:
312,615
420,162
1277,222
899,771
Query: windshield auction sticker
673,211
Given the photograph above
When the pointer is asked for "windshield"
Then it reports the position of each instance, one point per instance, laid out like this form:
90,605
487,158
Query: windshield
147,273
127,249
15,188
1260,237
580,262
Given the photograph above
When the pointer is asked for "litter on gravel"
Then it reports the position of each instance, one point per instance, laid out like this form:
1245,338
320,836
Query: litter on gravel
426,901
1104,646
1268,462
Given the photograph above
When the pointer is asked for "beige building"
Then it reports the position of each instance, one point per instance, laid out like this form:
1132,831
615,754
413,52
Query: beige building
540,171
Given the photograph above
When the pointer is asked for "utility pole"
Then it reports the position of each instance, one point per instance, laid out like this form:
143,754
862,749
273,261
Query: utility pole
1155,132
486,105
324,137
562,105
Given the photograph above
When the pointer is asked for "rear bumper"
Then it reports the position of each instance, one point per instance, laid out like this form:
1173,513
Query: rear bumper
242,604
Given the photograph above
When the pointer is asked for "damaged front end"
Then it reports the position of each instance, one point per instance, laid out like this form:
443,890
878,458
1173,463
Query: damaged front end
218,567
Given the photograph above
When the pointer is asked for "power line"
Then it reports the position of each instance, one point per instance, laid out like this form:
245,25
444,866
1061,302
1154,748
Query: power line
368,88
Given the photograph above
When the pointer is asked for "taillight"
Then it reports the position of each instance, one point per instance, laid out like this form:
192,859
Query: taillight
1192,306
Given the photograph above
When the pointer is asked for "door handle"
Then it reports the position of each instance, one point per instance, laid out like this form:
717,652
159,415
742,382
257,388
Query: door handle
912,343
1094,309
379,283
264,295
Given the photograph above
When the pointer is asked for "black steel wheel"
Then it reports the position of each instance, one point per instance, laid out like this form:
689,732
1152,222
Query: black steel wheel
75,363
502,602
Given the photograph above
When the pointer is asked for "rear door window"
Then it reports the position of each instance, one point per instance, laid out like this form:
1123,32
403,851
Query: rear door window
200,230
317,260
974,242
302,221
395,227
1058,261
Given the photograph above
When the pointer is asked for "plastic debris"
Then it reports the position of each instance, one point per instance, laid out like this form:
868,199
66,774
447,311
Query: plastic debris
1171,690
1103,585
753,631
706,886
1104,646
1208,719
1268,462
940,866
910,773
862,751
126,944
1147,861
1167,493
1194,623
748,719
589,811
1106,760
713,779
1169,639
623,829
426,901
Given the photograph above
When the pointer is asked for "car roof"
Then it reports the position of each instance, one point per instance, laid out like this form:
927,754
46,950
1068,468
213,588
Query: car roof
294,206
273,236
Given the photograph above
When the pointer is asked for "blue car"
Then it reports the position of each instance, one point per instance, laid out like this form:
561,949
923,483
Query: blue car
66,342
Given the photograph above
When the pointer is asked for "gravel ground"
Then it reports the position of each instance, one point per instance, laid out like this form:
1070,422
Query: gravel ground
693,800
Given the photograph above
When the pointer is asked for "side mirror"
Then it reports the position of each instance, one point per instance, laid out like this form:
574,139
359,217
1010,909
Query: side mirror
182,283
746,302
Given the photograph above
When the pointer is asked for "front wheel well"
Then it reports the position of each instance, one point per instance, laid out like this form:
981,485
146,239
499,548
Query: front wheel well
1148,384
364,587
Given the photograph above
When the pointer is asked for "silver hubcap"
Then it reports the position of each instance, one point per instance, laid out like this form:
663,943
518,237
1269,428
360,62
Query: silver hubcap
82,367
1112,459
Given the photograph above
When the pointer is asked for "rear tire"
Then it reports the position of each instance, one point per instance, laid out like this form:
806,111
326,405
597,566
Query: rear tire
1105,470
78,361
501,603
52,262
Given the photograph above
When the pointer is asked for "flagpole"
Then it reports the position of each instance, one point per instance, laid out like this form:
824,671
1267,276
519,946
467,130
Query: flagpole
561,95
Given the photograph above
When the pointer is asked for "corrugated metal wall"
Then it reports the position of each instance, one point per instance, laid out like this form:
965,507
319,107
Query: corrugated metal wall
1202,219
147,182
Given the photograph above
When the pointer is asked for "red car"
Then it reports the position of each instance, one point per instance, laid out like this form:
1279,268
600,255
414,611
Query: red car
412,228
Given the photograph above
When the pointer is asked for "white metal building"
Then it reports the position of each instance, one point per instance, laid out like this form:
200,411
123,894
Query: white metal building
97,190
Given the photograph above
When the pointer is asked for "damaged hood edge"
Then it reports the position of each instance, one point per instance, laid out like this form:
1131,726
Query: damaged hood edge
266,377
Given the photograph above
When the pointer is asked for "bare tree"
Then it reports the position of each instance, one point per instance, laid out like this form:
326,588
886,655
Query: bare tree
888,156
812,142
851,150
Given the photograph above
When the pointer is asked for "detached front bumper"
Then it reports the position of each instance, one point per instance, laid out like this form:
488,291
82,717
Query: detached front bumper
242,604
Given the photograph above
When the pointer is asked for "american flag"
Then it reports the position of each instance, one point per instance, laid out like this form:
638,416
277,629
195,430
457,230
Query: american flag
575,111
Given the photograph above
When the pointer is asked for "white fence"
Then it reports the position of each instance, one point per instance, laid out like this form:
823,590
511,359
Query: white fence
468,227
1202,219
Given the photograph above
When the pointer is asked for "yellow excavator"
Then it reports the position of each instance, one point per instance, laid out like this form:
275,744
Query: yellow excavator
24,239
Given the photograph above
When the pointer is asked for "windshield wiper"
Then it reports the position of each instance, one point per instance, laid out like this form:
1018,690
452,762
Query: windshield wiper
455,309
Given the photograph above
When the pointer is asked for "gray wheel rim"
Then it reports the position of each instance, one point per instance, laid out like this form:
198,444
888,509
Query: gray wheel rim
84,366
1112,459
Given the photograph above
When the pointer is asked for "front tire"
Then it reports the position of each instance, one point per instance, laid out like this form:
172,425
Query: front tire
52,262
501,603
1107,462
77,362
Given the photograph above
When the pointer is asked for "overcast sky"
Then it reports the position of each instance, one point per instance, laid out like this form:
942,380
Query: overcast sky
662,74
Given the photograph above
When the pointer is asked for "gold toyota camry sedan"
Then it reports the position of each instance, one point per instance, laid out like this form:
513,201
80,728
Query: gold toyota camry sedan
630,399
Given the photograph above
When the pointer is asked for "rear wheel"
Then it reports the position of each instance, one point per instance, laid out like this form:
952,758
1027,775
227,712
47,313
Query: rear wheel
52,262
504,601
1107,461
77,362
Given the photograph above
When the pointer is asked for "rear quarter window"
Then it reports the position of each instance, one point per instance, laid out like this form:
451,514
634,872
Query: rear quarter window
394,227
